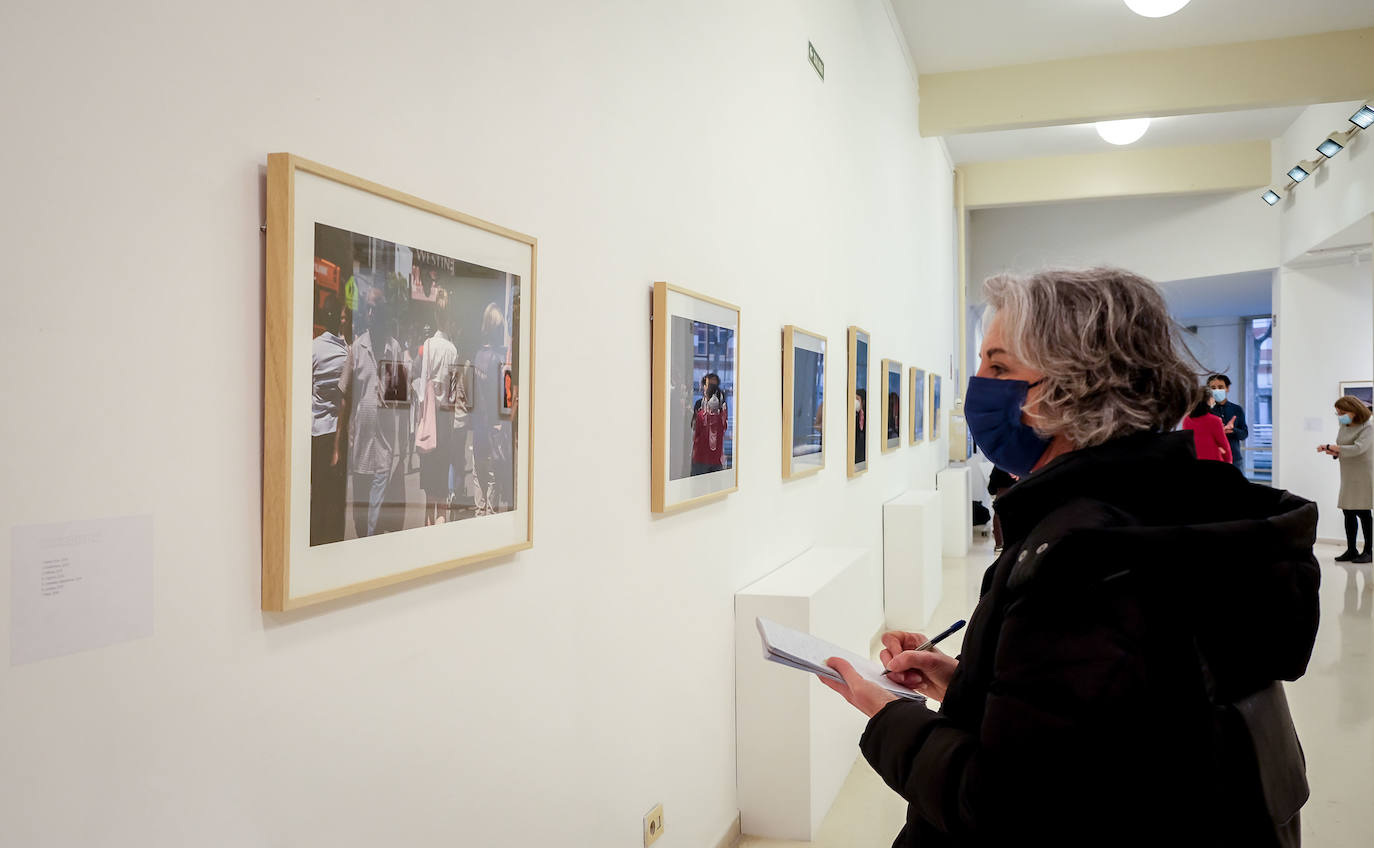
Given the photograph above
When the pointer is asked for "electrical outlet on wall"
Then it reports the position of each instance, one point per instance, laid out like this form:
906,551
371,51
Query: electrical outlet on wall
653,825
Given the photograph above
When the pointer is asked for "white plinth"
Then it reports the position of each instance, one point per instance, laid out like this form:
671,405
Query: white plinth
913,567
796,739
957,497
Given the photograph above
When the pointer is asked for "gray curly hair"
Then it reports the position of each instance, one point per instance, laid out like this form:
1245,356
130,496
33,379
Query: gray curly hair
1110,352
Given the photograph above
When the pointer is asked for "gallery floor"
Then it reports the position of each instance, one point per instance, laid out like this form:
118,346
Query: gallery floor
1333,706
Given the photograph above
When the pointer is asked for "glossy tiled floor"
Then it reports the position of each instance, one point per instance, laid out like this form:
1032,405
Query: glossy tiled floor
1333,706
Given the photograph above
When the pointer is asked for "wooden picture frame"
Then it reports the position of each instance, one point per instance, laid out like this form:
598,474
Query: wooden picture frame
694,441
917,414
934,406
803,402
857,381
892,405
352,267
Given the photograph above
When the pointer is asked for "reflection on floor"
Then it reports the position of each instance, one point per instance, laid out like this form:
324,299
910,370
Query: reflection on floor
1331,706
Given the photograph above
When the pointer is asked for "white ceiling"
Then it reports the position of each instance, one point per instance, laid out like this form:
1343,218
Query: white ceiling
1177,131
954,35
1249,293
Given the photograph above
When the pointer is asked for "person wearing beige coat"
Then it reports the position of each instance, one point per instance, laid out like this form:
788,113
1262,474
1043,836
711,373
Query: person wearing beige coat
1353,446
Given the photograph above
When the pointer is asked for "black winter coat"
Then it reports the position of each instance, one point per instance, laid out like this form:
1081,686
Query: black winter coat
1134,579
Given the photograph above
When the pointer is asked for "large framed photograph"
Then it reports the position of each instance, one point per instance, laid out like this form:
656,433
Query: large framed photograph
858,403
892,404
934,406
695,415
399,395
917,391
803,402
1361,390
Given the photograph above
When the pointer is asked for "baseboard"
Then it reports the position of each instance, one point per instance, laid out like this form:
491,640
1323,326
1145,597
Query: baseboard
1322,540
732,835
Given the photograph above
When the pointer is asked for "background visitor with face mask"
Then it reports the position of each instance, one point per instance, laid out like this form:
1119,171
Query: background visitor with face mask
1354,439
1232,415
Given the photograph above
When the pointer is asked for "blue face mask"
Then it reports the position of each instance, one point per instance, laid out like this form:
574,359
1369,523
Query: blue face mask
1219,395
1345,420
992,409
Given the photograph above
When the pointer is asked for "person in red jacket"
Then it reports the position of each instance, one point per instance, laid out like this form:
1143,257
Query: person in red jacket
709,420
1208,433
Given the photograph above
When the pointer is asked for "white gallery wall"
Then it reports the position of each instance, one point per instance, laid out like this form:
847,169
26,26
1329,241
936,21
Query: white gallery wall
1162,238
1323,337
547,700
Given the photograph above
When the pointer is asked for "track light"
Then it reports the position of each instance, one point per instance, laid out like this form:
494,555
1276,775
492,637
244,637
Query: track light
1303,170
1335,142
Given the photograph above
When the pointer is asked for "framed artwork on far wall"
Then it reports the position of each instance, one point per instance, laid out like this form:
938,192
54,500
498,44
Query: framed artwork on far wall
892,404
803,402
1363,390
856,450
694,440
359,431
917,392
934,406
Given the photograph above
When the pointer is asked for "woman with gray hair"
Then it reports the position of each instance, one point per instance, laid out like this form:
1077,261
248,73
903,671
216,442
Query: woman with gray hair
1117,684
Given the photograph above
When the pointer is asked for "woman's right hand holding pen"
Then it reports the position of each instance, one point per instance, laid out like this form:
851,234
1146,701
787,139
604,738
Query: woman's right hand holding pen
928,671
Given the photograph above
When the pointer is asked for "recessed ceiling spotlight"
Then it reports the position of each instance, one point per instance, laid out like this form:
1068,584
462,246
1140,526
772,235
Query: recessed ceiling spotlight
1155,8
1302,170
1123,132
1363,118
1272,196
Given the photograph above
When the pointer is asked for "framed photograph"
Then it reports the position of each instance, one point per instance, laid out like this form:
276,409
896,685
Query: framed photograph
917,391
1363,390
397,440
934,406
695,422
803,402
892,404
857,450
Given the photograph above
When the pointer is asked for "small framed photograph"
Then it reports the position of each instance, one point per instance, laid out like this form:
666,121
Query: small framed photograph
934,406
858,403
917,391
694,441
398,335
892,404
803,402
1362,390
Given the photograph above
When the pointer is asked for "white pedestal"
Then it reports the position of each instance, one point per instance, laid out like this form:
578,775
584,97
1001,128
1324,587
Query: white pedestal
913,568
796,739
957,496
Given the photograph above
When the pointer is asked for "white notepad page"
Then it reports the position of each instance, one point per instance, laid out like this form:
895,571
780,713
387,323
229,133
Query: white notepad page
805,652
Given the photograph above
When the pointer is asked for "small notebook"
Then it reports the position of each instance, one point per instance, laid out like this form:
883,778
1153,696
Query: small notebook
799,650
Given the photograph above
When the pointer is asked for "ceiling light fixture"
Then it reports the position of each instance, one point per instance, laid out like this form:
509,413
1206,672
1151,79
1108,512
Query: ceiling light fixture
1303,170
1123,132
1155,8
1364,117
1336,142
1272,196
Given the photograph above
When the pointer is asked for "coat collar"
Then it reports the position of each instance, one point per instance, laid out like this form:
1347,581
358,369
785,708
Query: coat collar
1100,472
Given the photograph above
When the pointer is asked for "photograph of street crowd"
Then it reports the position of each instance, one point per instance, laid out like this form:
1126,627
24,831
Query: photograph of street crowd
415,367
702,368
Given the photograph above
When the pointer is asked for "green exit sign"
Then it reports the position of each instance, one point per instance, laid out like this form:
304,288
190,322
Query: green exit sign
815,59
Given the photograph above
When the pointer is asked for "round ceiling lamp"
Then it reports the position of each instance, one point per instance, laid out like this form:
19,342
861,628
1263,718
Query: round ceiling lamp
1123,132
1155,8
